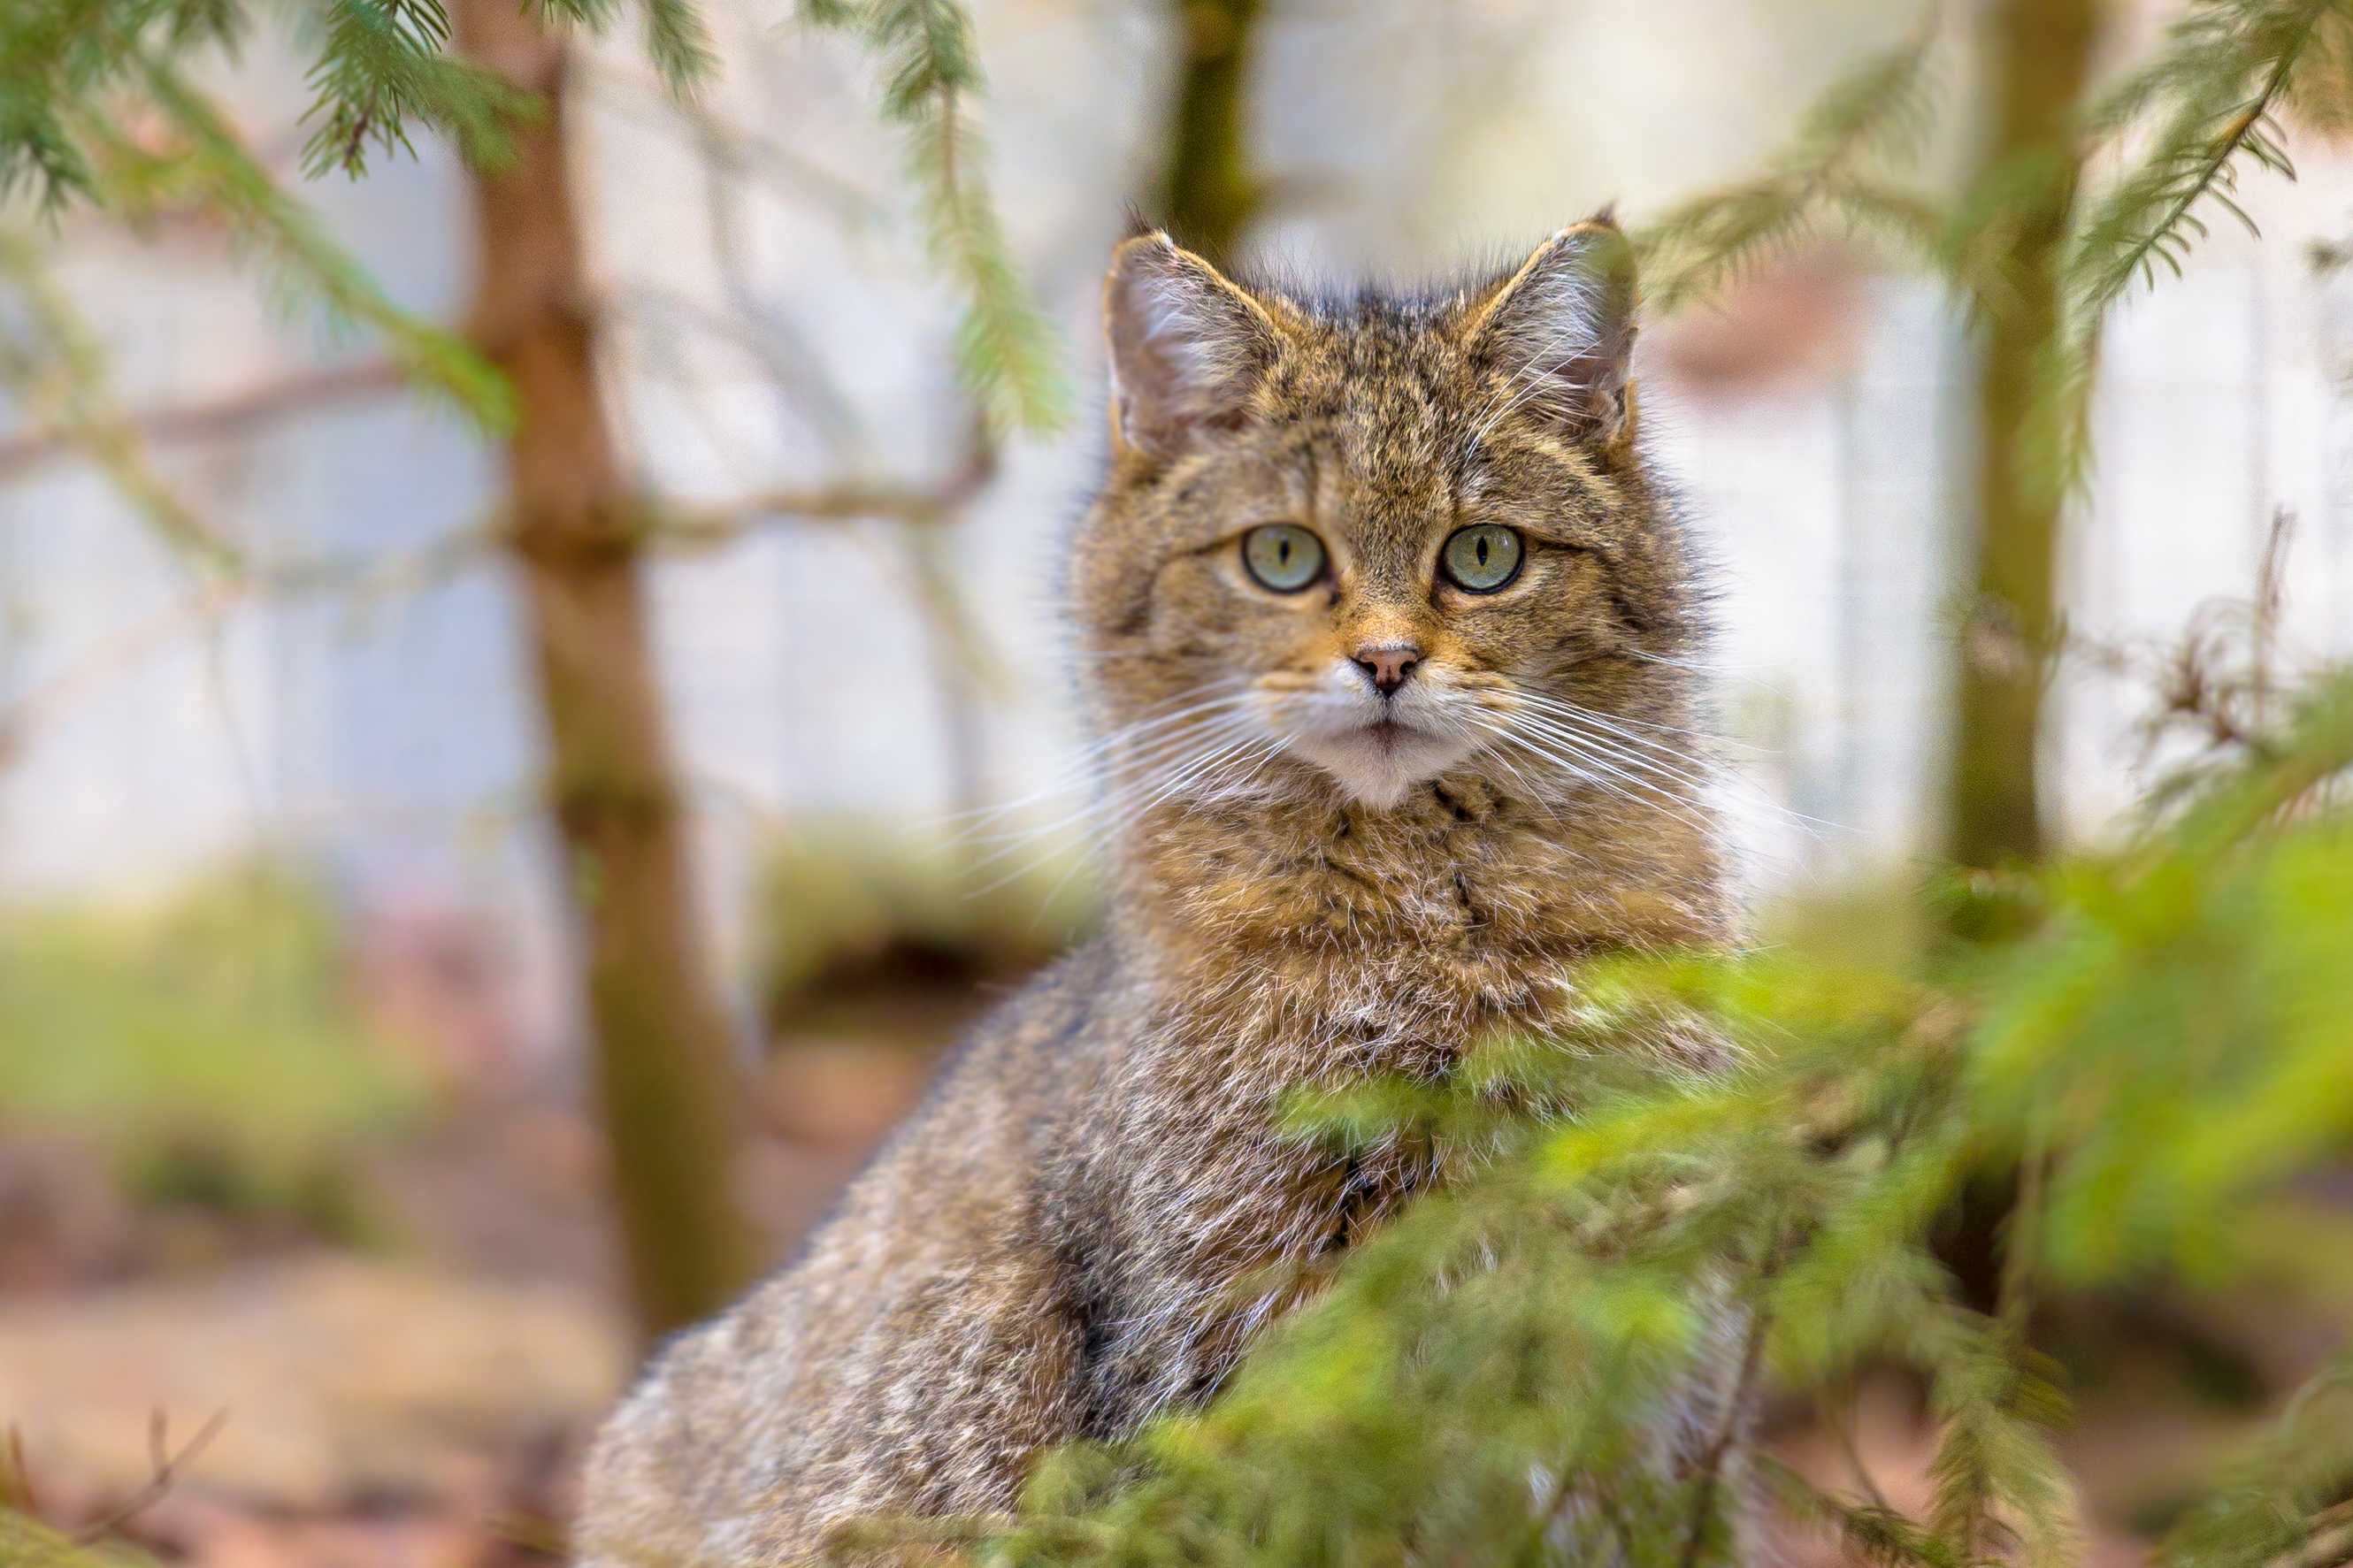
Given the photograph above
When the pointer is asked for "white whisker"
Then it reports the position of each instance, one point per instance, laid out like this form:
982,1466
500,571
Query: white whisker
1546,702
1109,784
1165,766
1079,771
1638,760
1649,755
1575,337
1580,764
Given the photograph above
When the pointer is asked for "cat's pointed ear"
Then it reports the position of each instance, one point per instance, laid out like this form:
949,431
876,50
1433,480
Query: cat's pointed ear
1557,334
1187,347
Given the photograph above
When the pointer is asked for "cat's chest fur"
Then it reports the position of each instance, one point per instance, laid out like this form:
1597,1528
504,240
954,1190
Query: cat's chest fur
1317,936
1185,1211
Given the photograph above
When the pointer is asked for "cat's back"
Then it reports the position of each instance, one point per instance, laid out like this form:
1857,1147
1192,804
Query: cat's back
832,1388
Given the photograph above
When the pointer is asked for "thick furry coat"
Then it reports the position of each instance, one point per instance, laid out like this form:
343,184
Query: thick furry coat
1355,823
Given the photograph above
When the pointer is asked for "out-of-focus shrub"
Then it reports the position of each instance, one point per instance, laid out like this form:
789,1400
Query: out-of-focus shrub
209,1046
2162,1050
874,929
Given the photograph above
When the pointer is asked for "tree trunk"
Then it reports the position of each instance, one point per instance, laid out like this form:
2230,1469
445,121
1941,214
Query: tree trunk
1212,193
667,1077
2038,54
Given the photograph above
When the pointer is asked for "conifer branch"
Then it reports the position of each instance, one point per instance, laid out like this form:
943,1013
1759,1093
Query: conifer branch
678,46
1006,346
2227,69
305,271
1879,1534
54,365
1875,116
379,67
2229,64
382,65
60,58
678,41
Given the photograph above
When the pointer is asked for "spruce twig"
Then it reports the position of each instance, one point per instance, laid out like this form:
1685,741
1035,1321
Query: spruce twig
304,269
2226,70
1877,113
2231,64
1006,347
56,365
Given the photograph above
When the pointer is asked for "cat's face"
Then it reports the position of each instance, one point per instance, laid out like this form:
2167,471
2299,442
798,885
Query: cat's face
1383,543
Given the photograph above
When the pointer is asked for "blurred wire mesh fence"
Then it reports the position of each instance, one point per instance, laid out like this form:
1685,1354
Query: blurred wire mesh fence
777,351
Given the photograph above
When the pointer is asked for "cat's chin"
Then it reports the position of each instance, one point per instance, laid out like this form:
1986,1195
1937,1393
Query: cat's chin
1379,764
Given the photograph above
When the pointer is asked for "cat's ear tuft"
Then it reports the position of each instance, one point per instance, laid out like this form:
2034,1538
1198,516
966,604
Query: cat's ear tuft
1559,333
1187,347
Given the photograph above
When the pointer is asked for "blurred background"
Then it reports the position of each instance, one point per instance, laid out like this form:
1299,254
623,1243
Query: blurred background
297,1103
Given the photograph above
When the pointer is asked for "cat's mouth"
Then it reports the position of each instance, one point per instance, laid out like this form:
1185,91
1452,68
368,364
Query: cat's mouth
1380,760
1376,746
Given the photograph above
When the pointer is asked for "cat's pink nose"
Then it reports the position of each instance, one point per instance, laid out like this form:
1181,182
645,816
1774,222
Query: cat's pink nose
1387,666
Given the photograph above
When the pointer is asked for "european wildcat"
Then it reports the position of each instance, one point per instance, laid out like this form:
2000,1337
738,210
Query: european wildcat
1384,626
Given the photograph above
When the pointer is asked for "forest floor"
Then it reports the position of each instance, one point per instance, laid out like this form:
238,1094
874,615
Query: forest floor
420,1400
417,1400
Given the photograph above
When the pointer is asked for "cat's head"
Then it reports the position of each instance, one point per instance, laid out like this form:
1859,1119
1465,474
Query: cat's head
1370,542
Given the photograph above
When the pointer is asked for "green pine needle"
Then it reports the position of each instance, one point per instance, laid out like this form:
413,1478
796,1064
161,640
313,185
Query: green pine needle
2226,69
1006,348
305,271
53,368
679,44
1487,1377
1873,119
382,67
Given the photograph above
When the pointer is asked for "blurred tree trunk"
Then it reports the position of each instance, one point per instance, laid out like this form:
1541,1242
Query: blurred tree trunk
666,1071
1212,191
2038,53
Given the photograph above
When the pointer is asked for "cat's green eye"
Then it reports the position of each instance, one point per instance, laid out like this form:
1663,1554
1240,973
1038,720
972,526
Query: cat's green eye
1283,556
1482,559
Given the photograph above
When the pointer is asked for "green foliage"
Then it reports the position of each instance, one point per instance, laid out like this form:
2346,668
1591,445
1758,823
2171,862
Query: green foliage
677,41
2213,89
53,370
1727,1176
305,271
2267,1493
63,59
382,67
78,75
1868,124
85,86
2176,132
210,1044
95,107
28,1541
842,896
2204,105
1006,346
72,72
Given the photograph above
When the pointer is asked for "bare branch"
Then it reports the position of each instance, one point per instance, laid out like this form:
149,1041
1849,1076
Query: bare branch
225,418
710,526
168,1467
